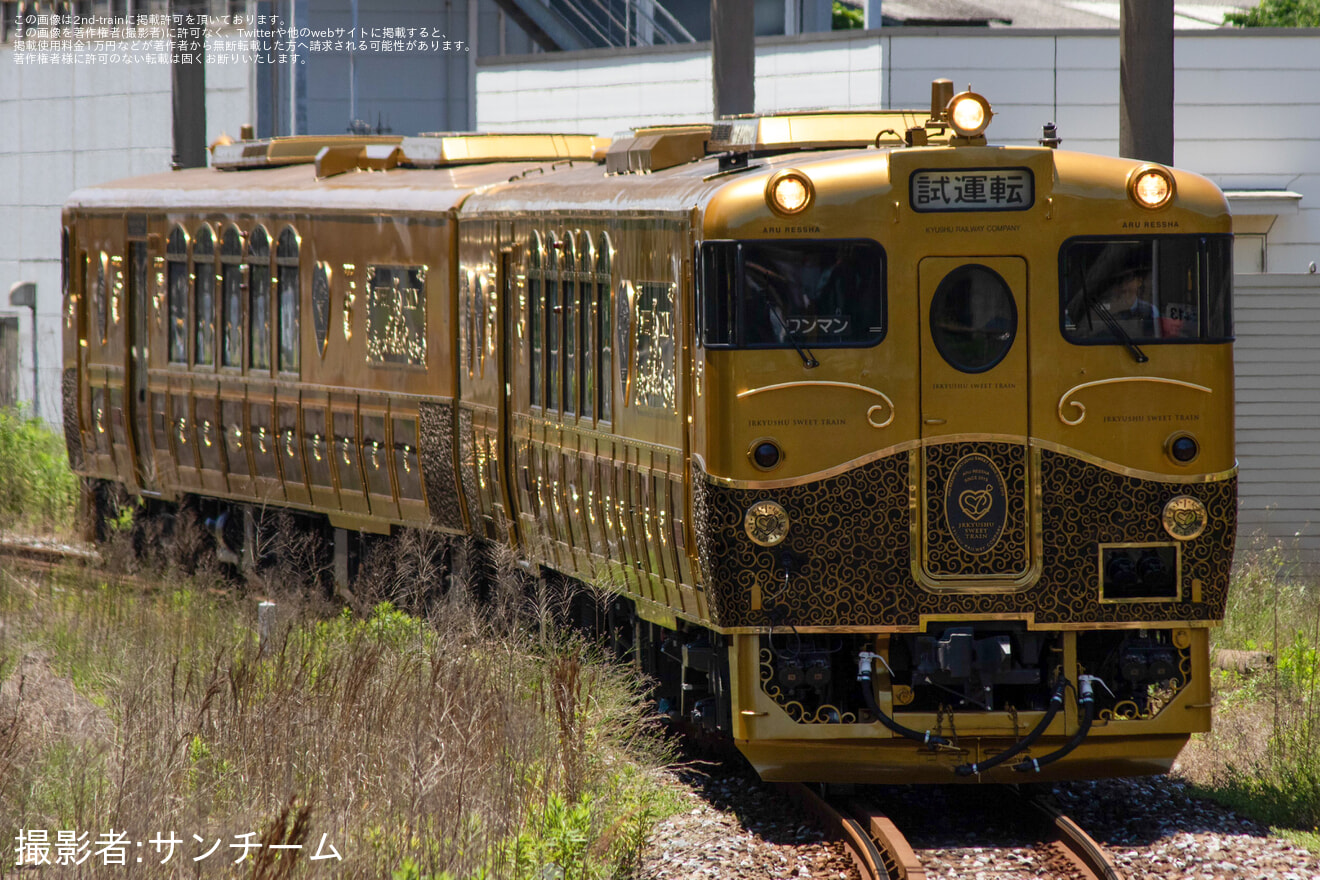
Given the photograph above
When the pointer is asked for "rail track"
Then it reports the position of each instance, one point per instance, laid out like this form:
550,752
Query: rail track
44,555
882,852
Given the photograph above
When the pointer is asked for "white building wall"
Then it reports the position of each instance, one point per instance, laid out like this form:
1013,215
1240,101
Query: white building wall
69,126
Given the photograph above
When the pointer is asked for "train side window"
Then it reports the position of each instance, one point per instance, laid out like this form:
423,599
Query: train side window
467,320
1146,289
203,272
604,301
66,266
535,303
781,294
259,300
553,323
286,259
231,297
587,324
1219,288
568,281
176,257
101,294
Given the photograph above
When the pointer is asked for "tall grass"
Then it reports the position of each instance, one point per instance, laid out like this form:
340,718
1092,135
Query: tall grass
463,744
37,490
1263,757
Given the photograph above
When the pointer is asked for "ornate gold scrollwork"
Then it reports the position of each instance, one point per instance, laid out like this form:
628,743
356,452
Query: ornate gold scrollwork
1081,409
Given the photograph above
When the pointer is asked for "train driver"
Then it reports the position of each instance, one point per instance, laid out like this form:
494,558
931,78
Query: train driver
1126,301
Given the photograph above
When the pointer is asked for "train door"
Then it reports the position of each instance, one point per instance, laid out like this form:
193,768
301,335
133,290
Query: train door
975,479
138,411
506,325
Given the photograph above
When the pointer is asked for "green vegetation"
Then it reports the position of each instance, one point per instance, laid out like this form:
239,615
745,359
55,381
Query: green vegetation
38,491
846,17
1263,756
450,747
1278,13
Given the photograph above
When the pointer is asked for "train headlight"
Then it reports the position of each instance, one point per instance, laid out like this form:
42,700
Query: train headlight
766,523
1182,448
969,114
1151,186
1184,518
789,192
765,454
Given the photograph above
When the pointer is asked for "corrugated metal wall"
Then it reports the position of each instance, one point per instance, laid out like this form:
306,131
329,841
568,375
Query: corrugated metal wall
1278,410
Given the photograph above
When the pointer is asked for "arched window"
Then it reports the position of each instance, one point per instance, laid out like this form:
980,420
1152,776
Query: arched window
286,258
203,272
536,308
231,297
586,323
568,285
102,294
176,258
605,327
553,323
258,261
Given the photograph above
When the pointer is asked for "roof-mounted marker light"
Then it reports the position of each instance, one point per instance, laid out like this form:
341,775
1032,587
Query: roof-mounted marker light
969,114
1151,186
789,192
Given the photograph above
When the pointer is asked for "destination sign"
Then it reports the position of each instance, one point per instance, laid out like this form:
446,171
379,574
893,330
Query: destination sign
972,189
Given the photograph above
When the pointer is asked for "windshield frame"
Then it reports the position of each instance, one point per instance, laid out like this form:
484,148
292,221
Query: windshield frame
739,323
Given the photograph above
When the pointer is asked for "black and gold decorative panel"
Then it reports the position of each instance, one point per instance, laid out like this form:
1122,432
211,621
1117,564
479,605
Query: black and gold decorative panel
848,552
436,420
72,433
977,519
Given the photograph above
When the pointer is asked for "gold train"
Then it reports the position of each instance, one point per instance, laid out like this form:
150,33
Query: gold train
910,457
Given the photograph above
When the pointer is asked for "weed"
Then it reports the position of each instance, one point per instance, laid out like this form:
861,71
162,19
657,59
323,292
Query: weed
441,747
1261,758
38,490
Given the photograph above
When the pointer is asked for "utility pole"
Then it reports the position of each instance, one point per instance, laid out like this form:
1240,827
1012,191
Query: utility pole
1145,80
188,82
733,56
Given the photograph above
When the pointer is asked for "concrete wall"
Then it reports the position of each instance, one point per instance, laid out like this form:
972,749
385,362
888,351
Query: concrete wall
1247,114
69,126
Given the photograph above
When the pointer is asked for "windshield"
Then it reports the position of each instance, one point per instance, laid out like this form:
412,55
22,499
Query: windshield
1147,290
787,294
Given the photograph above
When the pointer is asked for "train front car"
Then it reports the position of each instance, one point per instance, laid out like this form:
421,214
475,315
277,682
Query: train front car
964,484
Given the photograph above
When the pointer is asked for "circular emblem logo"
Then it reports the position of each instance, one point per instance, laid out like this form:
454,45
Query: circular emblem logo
766,523
1185,518
975,503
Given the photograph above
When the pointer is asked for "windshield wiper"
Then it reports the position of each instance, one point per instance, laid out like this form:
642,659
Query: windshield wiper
1093,307
808,359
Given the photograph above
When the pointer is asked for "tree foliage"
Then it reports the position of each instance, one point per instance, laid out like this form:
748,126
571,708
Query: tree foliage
846,17
1278,13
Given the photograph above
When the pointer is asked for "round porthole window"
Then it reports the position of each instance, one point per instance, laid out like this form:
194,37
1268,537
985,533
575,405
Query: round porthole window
973,318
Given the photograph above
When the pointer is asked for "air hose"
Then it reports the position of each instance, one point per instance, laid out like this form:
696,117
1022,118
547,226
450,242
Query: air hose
1087,703
1056,703
868,694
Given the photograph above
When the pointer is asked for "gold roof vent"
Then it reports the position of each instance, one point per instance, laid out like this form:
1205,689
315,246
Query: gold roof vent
813,131
656,147
335,154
